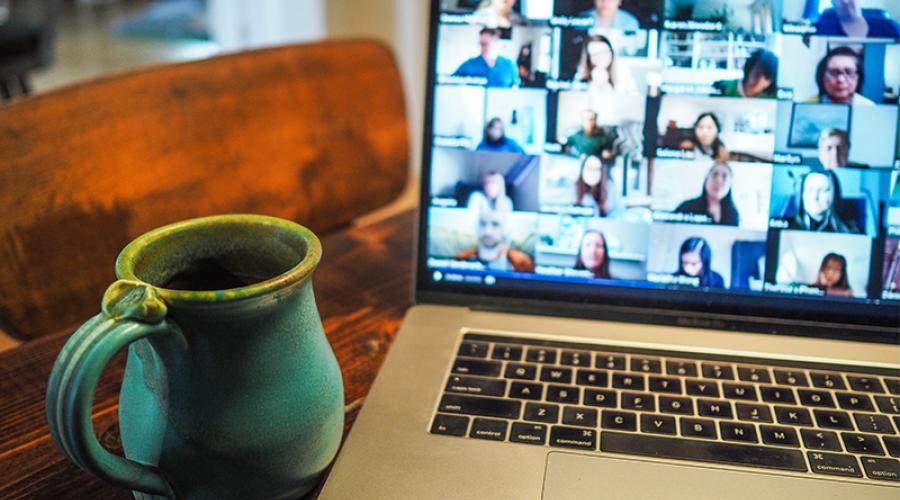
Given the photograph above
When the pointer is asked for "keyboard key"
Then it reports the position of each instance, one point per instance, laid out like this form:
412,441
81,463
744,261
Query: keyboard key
541,355
734,431
676,405
578,438
702,388
528,433
718,371
658,424
752,412
893,385
794,378
486,428
739,391
827,380
473,349
537,412
819,399
525,390
777,395
754,374
833,464
888,404
714,408
862,443
450,425
475,405
892,445
584,417
682,368
476,367
864,384
593,378
618,420
575,358
781,436
815,439
507,352
867,422
854,401
558,375
520,371
703,451
595,397
638,401
882,469
562,394
833,419
474,385
628,381
646,365
610,361
665,384
698,427
792,415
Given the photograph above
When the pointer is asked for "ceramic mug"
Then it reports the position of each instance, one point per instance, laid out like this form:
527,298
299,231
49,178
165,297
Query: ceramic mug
231,389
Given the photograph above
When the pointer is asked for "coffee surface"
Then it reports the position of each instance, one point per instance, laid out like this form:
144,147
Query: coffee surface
208,274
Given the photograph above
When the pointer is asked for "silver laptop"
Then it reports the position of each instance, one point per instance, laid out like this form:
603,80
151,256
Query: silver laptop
657,258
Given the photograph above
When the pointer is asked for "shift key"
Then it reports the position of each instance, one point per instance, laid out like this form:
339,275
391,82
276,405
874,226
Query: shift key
484,407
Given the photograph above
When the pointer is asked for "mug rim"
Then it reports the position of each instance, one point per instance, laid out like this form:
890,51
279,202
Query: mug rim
128,257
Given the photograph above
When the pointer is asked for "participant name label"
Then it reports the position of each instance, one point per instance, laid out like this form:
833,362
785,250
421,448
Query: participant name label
692,25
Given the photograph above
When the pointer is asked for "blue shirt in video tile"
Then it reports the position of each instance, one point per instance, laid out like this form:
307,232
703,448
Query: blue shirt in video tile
879,23
502,74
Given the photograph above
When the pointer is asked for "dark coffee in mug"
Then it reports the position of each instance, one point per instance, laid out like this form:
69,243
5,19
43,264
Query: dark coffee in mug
210,274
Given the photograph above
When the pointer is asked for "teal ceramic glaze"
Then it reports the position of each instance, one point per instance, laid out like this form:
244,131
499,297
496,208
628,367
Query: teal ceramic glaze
228,393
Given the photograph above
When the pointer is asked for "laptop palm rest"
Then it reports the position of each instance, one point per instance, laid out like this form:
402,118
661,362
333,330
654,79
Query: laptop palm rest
569,476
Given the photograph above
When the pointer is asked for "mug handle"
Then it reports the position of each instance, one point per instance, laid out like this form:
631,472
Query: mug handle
131,311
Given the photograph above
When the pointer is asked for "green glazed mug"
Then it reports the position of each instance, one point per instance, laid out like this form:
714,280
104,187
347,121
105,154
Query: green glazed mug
231,389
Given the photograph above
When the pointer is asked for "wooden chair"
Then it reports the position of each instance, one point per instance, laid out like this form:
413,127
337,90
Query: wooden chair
312,133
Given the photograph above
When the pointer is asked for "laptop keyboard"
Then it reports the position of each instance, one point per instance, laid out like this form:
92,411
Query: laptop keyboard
802,417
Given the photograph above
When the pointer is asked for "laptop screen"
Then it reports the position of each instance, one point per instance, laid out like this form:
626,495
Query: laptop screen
724,156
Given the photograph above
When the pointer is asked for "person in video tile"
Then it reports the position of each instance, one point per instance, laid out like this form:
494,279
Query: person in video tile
607,85
498,14
834,148
592,140
715,201
760,77
492,195
832,276
594,188
694,260
820,194
499,71
608,14
593,254
705,139
492,249
847,18
839,76
495,139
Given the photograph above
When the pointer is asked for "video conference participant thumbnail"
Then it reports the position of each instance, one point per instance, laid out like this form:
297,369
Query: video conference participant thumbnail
579,185
712,192
706,256
890,272
592,248
741,16
484,181
836,136
821,264
488,56
497,241
829,201
499,13
622,15
850,18
839,72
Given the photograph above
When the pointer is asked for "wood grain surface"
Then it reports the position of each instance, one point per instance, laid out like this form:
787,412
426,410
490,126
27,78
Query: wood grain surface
313,133
363,287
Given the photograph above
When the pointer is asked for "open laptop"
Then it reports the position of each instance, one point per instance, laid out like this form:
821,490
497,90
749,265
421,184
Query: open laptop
657,257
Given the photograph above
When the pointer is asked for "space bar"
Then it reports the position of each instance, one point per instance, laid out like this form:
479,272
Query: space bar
703,451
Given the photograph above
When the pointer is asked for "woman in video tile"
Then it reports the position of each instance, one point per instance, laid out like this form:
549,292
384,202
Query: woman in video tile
832,276
495,140
839,76
848,18
498,14
598,68
594,188
593,254
608,14
694,260
705,139
715,201
492,195
760,77
820,195
834,148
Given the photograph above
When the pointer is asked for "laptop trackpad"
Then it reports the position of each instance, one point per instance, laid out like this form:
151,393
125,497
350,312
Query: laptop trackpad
571,476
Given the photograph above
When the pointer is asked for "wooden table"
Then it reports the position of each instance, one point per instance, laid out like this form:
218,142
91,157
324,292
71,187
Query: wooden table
363,287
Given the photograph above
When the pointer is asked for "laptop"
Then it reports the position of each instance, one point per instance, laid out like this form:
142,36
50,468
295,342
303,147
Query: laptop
697,296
